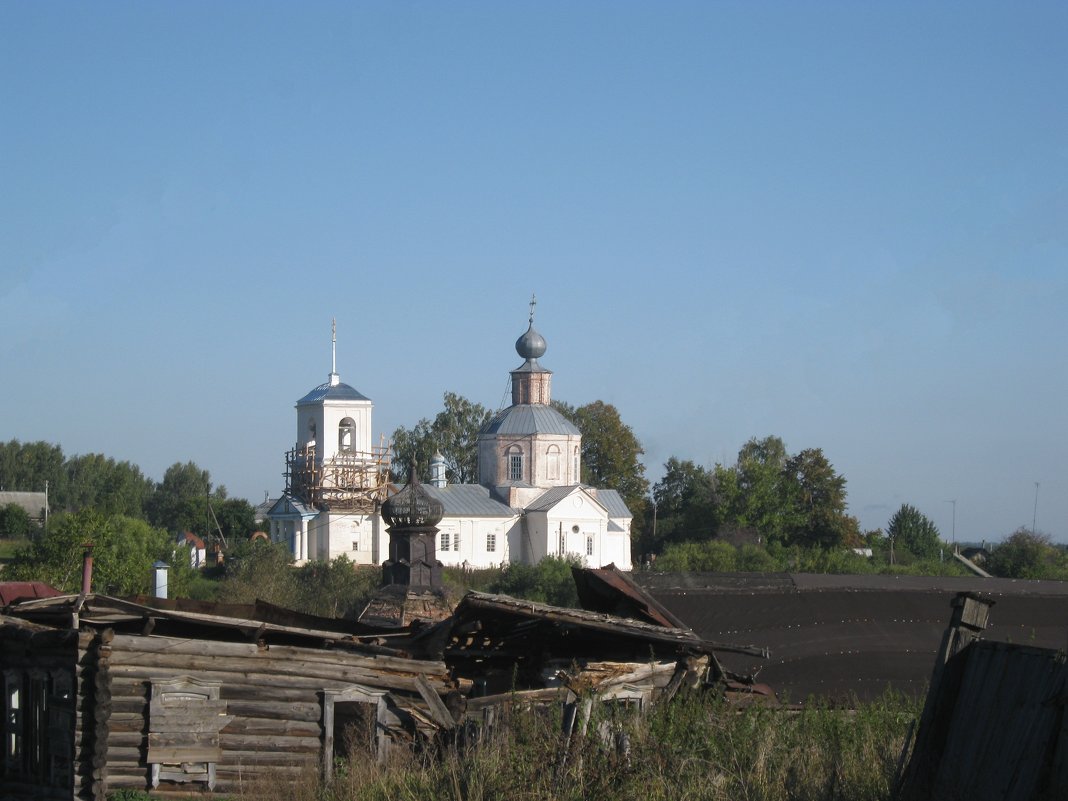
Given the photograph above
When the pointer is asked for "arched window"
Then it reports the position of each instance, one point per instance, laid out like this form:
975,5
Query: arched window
515,463
346,434
552,463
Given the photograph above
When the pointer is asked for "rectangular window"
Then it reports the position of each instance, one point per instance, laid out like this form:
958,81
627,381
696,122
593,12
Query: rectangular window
355,545
491,542
444,540
456,541
589,546
515,467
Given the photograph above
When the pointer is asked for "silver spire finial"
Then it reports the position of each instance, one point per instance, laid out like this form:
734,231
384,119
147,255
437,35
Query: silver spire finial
335,379
533,303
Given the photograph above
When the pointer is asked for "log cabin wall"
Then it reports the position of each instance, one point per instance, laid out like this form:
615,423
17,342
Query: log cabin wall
37,695
242,711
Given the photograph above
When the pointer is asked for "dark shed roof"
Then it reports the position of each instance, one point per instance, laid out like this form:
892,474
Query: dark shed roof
840,635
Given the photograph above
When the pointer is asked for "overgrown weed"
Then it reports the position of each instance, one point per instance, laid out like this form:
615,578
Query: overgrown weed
697,747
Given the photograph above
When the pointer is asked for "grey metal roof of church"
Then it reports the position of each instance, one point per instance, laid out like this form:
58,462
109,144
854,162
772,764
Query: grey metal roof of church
335,392
613,502
610,499
530,418
469,500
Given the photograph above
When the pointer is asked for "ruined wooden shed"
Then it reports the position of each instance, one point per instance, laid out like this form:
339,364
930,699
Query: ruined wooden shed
994,725
183,698
101,693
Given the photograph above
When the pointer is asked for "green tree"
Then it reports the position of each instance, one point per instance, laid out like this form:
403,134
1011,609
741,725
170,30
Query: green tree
337,588
713,556
611,453
179,502
124,550
761,502
550,581
236,518
30,466
15,523
816,497
259,570
453,433
1027,554
913,531
111,487
692,502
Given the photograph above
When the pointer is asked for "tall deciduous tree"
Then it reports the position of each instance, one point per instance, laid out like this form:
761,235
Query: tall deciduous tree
611,453
453,433
179,502
816,499
111,487
29,466
761,503
913,531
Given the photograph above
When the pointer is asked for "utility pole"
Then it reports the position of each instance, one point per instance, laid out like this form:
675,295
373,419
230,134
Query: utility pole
954,542
1034,517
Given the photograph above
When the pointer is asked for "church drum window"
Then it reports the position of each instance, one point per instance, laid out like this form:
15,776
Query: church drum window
552,463
515,464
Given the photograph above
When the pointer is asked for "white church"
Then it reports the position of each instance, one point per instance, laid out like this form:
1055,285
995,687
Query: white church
529,502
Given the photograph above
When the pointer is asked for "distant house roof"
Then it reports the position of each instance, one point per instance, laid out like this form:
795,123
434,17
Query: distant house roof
469,500
330,391
35,503
188,537
529,418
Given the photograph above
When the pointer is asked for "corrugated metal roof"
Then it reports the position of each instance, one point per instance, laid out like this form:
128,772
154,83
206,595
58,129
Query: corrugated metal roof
469,500
611,500
332,392
551,497
530,418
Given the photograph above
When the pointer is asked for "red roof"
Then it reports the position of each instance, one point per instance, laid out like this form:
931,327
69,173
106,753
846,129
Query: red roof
15,591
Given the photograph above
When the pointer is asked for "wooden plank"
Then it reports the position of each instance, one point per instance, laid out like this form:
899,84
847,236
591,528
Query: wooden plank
126,645
438,711
281,666
179,754
318,680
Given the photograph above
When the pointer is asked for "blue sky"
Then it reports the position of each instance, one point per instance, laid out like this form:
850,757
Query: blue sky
840,223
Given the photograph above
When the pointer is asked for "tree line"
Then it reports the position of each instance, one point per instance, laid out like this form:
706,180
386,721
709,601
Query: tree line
185,500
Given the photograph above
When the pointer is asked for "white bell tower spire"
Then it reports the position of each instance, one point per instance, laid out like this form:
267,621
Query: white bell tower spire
335,379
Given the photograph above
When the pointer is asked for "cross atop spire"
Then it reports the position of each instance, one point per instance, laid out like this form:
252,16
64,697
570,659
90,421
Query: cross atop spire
533,303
